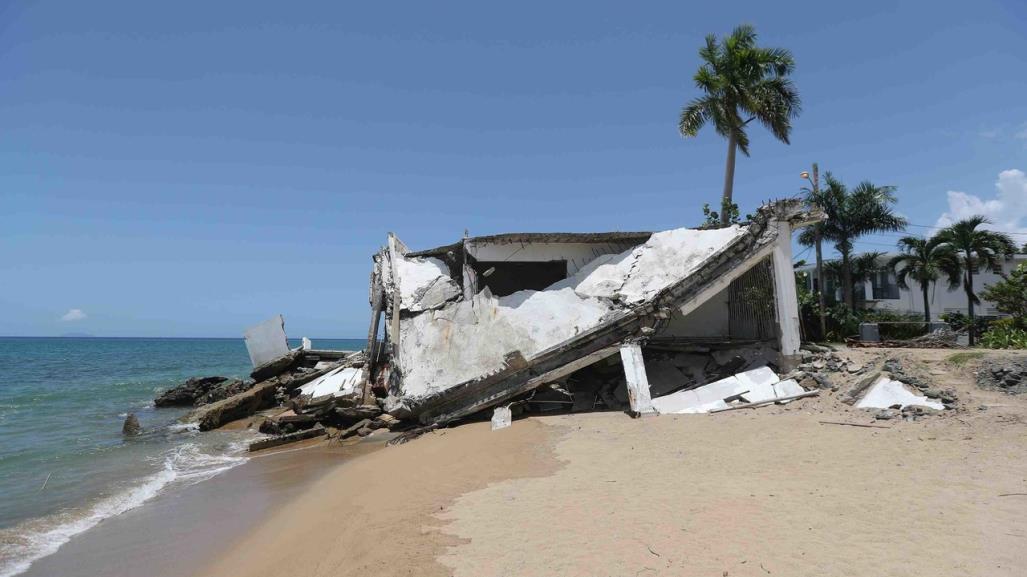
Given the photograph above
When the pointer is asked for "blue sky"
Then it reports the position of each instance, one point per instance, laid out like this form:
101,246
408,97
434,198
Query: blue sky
190,168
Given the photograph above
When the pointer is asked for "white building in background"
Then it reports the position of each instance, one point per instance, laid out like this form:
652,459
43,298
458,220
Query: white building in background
882,292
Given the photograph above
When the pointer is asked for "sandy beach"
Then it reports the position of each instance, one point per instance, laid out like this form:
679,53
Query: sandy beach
764,492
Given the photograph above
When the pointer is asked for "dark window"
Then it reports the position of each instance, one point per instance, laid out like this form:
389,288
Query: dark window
509,277
884,286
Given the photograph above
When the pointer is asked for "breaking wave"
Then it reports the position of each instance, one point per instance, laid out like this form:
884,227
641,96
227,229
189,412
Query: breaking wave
184,465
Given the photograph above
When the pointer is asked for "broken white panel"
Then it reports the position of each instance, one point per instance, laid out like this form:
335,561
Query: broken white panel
699,400
266,342
638,383
760,384
424,283
788,388
501,418
641,272
887,393
340,382
306,345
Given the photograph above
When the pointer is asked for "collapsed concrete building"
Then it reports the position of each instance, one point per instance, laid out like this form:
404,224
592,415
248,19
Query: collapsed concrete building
583,319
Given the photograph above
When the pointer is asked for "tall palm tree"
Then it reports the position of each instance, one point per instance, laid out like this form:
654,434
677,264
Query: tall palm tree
975,246
925,261
741,82
866,209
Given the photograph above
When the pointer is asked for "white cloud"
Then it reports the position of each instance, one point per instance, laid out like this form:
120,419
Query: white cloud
1022,133
74,315
1007,211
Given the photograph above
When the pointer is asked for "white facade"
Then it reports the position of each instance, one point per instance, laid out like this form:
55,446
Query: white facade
883,294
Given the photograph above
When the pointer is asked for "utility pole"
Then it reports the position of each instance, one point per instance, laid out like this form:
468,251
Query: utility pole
815,181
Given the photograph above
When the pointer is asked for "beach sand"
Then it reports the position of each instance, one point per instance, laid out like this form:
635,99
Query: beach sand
766,492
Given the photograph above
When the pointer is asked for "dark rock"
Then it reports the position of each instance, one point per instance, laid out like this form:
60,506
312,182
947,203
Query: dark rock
200,391
364,431
131,427
317,430
886,414
352,430
350,415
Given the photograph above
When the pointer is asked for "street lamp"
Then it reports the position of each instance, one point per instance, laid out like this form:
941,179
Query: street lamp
815,194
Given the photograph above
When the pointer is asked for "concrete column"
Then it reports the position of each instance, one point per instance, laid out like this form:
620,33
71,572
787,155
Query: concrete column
785,298
638,382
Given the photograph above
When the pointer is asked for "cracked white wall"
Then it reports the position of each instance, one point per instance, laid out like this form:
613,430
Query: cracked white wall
577,254
464,340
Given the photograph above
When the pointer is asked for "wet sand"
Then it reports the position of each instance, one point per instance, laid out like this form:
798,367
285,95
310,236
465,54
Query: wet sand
177,532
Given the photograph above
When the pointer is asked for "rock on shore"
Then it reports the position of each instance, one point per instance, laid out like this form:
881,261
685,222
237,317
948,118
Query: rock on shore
200,391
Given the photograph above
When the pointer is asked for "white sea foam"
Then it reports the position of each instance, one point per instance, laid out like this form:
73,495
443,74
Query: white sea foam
184,465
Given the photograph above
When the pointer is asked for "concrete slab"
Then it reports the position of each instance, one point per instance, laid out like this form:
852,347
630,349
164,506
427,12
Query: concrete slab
887,393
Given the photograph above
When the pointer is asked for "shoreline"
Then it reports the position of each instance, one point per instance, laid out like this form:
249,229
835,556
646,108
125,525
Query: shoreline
177,531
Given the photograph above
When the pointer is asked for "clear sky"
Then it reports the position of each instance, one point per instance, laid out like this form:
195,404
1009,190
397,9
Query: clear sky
190,168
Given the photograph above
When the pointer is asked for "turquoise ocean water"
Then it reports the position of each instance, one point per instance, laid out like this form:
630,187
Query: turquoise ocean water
64,465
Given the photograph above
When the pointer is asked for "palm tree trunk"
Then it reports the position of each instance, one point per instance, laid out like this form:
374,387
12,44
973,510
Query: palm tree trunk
820,285
729,181
927,305
847,282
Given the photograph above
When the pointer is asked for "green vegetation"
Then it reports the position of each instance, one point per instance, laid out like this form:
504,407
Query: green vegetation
975,246
960,359
925,261
741,82
1004,334
866,209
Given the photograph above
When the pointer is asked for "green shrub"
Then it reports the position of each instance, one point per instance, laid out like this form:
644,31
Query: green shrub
1003,334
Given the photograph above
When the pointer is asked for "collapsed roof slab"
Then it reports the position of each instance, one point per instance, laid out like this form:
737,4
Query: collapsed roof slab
449,368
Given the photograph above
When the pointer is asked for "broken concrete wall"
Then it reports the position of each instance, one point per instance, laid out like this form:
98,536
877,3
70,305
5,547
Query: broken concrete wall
476,352
576,254
445,347
266,342
423,283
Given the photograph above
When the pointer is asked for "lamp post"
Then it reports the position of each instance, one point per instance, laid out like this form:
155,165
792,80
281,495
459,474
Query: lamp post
815,196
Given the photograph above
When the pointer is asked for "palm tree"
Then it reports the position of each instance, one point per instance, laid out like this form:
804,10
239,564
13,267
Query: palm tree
925,261
975,246
866,209
863,267
742,82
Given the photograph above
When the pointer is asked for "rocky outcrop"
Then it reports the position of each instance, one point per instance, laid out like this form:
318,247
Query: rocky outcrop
201,391
212,416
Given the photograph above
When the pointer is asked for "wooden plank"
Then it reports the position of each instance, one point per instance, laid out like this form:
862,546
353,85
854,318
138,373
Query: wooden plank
768,402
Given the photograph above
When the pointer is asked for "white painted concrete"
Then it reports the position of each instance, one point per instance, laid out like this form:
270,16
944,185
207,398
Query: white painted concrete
340,382
424,283
638,383
577,254
754,386
784,293
502,417
638,274
463,340
266,342
887,393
